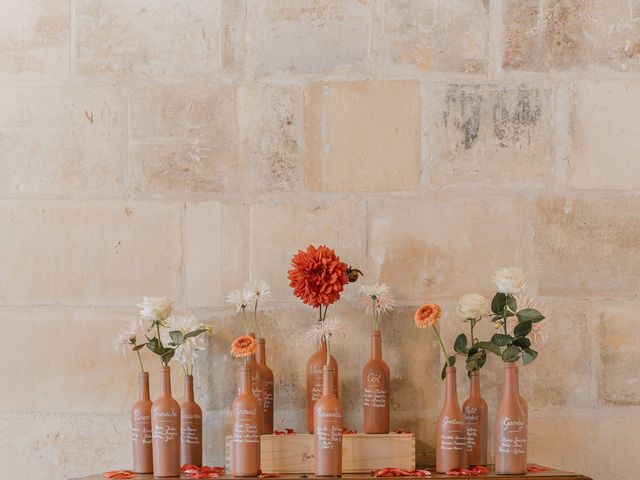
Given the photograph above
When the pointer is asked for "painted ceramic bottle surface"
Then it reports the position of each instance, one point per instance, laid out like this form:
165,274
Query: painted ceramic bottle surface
523,405
476,418
268,395
190,426
257,384
141,427
510,429
315,378
328,416
246,435
375,389
451,432
165,425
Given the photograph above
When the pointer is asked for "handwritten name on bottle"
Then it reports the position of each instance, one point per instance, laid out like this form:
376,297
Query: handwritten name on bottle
454,436
244,411
329,437
244,432
514,439
472,419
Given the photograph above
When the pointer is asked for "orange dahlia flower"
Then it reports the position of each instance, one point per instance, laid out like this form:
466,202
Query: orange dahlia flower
243,346
318,276
428,315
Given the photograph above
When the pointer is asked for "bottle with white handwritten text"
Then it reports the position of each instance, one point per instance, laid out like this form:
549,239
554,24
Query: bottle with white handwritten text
510,428
476,417
141,427
451,431
314,379
191,426
375,389
328,423
247,412
165,426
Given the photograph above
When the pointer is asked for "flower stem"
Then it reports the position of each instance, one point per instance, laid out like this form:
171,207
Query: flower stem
255,319
158,328
324,317
140,360
444,349
328,342
320,313
472,323
244,319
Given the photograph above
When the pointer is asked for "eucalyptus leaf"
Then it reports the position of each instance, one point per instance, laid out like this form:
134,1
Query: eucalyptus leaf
511,354
138,347
482,360
490,347
443,374
522,342
498,302
167,355
473,350
522,329
472,365
195,333
528,356
529,314
476,356
512,303
452,360
501,340
460,345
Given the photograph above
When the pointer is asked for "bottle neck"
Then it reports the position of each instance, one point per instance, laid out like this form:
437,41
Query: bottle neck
510,381
451,389
327,380
376,345
245,380
143,386
165,381
188,388
261,356
322,346
475,383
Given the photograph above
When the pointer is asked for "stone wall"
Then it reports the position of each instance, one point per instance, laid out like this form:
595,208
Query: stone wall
179,147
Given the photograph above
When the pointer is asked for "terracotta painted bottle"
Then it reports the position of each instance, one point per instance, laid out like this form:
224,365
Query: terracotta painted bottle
246,435
190,426
510,429
165,425
257,384
141,427
523,405
314,379
328,419
451,432
268,395
375,389
476,417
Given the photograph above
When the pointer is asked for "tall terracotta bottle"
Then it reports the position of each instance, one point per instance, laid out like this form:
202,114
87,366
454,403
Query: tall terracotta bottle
476,417
523,405
165,424
257,385
328,420
315,387
246,434
191,426
510,429
268,391
375,389
141,427
451,434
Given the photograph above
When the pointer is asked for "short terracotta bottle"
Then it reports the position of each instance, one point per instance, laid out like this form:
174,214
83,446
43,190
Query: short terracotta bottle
141,427
328,420
476,418
510,429
190,426
165,425
246,434
268,395
375,389
314,370
451,432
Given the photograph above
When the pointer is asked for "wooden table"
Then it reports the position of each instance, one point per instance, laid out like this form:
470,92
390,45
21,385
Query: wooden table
546,475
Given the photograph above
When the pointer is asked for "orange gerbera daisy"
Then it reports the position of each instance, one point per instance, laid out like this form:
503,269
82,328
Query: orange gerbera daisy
318,276
428,315
243,346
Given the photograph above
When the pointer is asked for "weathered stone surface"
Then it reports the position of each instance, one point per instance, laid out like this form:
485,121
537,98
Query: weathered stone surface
588,245
184,139
436,36
307,36
270,124
34,39
447,244
292,226
96,253
121,39
554,35
618,341
362,136
62,140
605,135
490,134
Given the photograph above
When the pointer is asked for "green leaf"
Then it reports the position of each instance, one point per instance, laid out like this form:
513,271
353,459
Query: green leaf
195,333
477,356
522,329
154,345
511,303
167,355
460,345
482,359
490,347
528,356
452,360
138,347
522,342
498,302
472,365
501,340
511,354
443,374
473,350
177,337
529,314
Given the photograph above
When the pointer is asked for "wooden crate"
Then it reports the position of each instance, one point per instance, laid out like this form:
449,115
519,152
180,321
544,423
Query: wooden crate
361,453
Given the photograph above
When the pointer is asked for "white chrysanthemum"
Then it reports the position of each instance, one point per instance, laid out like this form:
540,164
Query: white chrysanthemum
325,330
510,280
259,289
240,298
186,351
155,308
473,305
379,296
127,337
